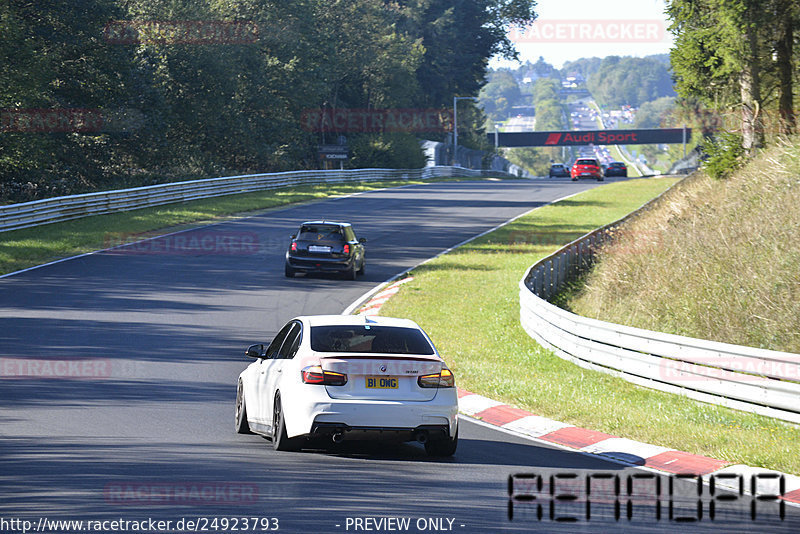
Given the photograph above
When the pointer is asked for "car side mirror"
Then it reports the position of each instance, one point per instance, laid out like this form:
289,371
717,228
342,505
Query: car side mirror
256,351
293,236
362,240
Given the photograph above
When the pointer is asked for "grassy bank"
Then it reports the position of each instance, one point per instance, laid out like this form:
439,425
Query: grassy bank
25,248
719,260
468,302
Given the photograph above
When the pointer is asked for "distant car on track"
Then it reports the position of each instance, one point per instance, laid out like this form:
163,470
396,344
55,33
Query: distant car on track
558,170
587,168
617,168
324,246
330,378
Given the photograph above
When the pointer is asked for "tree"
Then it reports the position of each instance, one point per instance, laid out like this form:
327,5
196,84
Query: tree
459,37
199,109
786,12
630,81
720,54
655,114
500,93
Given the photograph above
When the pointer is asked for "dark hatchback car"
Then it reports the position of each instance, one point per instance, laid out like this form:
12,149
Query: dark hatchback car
617,168
323,246
559,170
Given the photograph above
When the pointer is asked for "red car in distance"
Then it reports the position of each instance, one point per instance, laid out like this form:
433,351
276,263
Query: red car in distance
586,168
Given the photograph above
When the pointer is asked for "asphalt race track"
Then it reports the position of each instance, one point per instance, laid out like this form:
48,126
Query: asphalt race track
153,336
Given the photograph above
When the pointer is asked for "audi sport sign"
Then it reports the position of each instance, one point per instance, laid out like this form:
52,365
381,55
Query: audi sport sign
592,137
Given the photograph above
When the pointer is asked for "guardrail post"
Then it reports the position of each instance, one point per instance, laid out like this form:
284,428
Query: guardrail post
556,273
573,261
562,270
548,273
545,281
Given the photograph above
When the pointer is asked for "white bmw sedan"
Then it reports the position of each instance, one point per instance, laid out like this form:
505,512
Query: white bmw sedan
349,377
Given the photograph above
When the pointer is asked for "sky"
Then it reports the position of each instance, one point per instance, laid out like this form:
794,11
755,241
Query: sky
566,30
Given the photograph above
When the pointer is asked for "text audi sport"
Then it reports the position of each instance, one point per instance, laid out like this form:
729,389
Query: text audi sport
349,377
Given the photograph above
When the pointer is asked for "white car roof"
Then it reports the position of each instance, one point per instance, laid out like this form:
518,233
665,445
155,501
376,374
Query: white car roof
332,223
356,320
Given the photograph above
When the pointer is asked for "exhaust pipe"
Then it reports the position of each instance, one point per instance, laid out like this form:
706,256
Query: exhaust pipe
337,437
422,436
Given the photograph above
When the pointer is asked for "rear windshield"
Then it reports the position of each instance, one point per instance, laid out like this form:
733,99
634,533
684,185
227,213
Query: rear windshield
586,162
370,339
617,165
320,232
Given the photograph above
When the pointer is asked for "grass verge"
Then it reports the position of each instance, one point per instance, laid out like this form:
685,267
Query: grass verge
468,302
20,249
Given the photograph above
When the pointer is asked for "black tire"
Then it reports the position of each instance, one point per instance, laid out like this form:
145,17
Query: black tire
288,271
280,440
600,179
352,274
442,447
574,179
241,412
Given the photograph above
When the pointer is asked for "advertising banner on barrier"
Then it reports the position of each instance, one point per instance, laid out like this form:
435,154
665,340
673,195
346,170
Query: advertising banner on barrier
592,137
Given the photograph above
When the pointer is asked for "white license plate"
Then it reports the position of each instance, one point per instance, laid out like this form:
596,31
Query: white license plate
381,382
317,248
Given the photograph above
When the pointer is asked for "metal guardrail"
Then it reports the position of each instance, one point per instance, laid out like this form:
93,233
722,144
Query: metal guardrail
38,212
755,380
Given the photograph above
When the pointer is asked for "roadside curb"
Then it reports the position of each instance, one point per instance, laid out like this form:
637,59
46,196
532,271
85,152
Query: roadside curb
374,304
622,450
614,448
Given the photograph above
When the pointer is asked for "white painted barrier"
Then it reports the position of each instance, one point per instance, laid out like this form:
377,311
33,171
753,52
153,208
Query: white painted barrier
38,212
756,380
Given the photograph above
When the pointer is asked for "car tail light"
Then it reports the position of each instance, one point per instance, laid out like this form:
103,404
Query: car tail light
346,249
315,375
294,246
442,379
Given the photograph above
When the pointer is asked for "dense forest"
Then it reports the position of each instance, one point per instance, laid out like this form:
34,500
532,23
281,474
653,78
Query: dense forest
613,81
630,81
103,94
